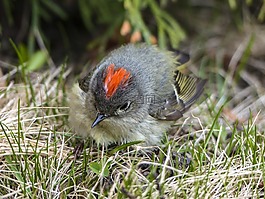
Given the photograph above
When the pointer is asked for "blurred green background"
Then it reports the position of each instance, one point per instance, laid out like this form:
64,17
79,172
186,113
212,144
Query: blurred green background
48,32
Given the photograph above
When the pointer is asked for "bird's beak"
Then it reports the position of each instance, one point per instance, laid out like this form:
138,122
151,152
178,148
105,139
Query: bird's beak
99,118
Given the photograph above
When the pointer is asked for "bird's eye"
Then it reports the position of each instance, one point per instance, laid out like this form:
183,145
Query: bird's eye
125,106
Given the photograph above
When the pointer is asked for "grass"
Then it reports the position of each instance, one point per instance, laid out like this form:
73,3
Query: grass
217,150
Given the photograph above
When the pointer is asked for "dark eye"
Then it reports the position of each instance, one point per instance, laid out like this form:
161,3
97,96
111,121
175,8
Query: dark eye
125,106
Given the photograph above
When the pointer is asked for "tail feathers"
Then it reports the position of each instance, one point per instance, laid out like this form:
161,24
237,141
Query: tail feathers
181,57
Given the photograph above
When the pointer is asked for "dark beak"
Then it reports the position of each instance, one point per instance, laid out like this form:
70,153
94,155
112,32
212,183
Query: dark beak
99,118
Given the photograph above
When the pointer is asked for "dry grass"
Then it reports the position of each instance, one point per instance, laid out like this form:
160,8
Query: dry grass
224,137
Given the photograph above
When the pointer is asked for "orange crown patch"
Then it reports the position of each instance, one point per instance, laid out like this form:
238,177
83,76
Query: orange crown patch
114,79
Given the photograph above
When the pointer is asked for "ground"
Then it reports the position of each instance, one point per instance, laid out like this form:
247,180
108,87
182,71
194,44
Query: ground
215,151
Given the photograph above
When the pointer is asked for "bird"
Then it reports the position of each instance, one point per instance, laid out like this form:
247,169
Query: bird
135,93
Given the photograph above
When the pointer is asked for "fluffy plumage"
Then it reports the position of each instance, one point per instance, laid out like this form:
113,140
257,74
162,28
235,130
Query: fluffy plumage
136,93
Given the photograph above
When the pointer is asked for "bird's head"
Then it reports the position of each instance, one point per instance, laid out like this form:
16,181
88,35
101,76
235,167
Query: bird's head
115,92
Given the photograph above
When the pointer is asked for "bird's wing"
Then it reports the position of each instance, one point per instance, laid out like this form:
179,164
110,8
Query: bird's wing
186,90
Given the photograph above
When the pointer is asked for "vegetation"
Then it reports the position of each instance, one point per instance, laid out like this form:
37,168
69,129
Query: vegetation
215,151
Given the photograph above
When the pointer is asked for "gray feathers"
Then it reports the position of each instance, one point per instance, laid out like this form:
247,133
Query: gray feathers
154,76
186,91
141,109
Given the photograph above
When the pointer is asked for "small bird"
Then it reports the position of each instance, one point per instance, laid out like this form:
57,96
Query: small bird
134,94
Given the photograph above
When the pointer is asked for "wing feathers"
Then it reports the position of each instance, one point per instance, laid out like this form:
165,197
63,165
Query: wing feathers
189,88
187,91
